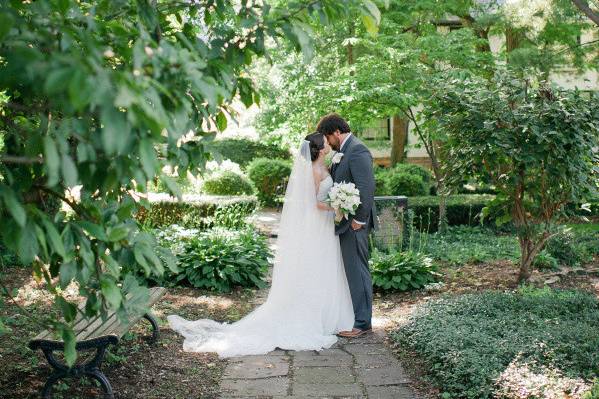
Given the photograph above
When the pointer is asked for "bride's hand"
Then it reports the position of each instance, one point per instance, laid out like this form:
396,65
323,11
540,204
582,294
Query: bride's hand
323,207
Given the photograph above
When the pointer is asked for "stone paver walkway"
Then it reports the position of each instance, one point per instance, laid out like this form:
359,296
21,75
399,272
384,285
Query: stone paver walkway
359,368
362,367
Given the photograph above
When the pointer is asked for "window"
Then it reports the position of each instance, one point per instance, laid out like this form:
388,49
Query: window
379,130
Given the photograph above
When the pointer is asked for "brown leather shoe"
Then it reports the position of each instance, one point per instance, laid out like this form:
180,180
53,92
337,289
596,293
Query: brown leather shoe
355,332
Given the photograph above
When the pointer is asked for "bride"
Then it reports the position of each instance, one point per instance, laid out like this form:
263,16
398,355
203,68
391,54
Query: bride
309,300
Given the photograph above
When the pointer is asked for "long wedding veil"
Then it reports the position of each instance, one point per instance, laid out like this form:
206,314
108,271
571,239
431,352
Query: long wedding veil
298,218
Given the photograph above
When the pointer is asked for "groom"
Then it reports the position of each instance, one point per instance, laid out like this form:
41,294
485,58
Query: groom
353,163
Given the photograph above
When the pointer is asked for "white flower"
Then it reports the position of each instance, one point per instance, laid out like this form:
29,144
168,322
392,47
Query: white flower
344,198
337,157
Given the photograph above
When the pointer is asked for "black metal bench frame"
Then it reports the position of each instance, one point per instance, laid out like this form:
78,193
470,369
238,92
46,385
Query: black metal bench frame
90,368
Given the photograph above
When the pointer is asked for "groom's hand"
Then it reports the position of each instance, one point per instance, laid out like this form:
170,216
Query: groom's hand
355,225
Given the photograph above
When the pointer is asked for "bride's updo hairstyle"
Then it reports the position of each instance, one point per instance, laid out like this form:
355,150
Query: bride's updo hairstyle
316,140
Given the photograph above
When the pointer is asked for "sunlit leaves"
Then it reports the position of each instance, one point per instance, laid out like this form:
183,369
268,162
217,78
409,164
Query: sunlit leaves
101,97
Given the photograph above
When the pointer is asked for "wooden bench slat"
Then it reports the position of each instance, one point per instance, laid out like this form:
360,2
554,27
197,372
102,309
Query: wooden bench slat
95,327
117,327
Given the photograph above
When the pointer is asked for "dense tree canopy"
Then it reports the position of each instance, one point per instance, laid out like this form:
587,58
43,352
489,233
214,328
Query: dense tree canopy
101,95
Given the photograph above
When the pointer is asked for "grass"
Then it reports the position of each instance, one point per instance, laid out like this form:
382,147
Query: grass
465,244
462,245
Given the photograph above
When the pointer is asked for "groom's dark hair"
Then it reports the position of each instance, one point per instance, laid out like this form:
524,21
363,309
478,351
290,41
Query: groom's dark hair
330,123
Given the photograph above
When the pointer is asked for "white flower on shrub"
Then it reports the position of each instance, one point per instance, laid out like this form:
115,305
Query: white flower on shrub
345,199
213,167
527,380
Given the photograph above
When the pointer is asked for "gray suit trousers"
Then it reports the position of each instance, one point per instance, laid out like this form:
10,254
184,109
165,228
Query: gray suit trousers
354,249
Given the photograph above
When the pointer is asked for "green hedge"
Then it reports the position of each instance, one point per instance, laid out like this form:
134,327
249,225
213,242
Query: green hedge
227,183
468,341
403,179
243,151
196,212
462,209
270,178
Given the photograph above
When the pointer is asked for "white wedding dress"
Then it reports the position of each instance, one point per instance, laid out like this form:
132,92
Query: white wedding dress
309,300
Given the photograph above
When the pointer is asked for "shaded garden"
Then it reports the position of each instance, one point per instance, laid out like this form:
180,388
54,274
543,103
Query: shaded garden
115,176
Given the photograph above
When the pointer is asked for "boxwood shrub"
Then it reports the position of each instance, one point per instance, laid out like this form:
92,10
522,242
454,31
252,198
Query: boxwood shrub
195,211
404,179
270,178
227,183
467,341
242,151
462,209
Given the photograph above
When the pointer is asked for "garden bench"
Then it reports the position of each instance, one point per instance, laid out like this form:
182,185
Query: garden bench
91,334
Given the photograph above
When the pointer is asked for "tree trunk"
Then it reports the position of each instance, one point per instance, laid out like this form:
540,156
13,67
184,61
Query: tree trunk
583,6
350,47
399,137
442,193
513,40
525,260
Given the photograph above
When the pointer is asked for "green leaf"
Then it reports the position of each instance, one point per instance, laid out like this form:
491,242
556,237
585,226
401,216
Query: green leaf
304,41
63,6
373,10
69,171
28,245
111,264
69,310
14,207
111,292
79,91
6,23
148,158
93,229
52,160
221,121
55,238
68,271
117,233
139,257
114,127
370,24
57,80
70,354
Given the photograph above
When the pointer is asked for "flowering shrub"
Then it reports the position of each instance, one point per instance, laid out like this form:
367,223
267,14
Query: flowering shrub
214,167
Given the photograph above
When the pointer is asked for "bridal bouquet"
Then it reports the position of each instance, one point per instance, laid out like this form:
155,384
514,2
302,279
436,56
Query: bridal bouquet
345,199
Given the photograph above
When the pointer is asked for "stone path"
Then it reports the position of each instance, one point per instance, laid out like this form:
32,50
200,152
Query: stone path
359,368
362,367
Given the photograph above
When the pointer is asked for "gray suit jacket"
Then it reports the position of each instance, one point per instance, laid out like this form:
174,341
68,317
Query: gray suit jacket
356,167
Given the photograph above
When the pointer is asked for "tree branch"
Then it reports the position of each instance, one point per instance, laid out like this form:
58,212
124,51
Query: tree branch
15,159
583,6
